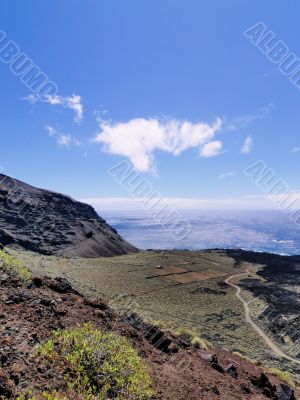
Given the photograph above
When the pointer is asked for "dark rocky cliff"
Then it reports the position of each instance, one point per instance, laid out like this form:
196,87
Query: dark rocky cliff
52,223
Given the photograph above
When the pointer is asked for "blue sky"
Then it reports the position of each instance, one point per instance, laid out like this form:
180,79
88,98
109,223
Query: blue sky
173,86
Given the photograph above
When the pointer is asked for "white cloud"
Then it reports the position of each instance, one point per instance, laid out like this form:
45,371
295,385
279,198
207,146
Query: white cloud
139,138
62,139
211,149
224,175
248,145
73,102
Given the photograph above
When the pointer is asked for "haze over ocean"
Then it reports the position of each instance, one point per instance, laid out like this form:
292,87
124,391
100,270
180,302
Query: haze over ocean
269,231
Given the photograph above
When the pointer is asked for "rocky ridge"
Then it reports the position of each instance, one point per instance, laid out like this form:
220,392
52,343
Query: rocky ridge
52,223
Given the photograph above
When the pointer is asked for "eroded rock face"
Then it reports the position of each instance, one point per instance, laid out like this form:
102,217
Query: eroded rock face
52,223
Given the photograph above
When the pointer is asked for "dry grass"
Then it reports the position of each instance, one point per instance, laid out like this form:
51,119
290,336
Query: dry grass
196,276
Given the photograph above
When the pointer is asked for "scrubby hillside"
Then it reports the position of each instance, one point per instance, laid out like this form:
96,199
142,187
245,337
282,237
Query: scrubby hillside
55,344
51,223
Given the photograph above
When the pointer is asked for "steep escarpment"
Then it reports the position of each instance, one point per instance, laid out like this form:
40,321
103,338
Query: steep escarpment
52,223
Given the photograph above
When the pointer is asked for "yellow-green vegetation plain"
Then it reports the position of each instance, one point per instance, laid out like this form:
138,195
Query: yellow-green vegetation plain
175,288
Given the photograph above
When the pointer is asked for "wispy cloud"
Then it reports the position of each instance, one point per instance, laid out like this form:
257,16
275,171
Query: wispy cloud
61,138
73,102
270,73
224,175
100,114
295,149
244,120
31,99
51,130
138,139
248,145
64,140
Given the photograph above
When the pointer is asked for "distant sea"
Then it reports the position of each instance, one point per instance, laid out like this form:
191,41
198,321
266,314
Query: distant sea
269,231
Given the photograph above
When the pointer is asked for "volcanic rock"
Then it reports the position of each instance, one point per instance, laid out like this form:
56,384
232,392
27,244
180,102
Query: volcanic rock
54,224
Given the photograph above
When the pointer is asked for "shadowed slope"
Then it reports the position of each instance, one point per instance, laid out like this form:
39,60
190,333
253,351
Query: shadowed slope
52,223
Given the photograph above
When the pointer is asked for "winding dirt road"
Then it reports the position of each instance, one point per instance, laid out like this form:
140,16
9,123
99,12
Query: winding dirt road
250,321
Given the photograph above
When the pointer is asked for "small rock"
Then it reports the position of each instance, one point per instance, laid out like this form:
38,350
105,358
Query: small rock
37,281
215,364
46,302
7,340
98,304
285,393
99,313
232,371
6,386
16,378
60,285
216,390
60,311
246,389
207,357
17,368
16,298
173,348
4,278
263,383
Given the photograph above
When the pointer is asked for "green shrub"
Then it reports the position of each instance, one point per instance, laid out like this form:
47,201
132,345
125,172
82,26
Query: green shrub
158,324
14,267
52,396
186,334
200,343
102,364
45,396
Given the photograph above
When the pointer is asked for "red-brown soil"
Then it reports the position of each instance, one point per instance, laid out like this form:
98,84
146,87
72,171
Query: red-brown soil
29,313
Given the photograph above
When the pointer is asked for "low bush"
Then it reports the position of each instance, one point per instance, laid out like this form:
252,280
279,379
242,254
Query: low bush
200,343
14,267
102,365
45,396
186,334
158,324
190,336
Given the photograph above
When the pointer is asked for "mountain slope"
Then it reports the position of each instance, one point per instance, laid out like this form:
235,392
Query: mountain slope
52,223
29,312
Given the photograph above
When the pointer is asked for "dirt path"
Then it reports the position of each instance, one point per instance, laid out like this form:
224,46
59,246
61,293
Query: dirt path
249,319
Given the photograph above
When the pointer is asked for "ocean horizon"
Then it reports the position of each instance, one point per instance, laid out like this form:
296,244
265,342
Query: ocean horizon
261,231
